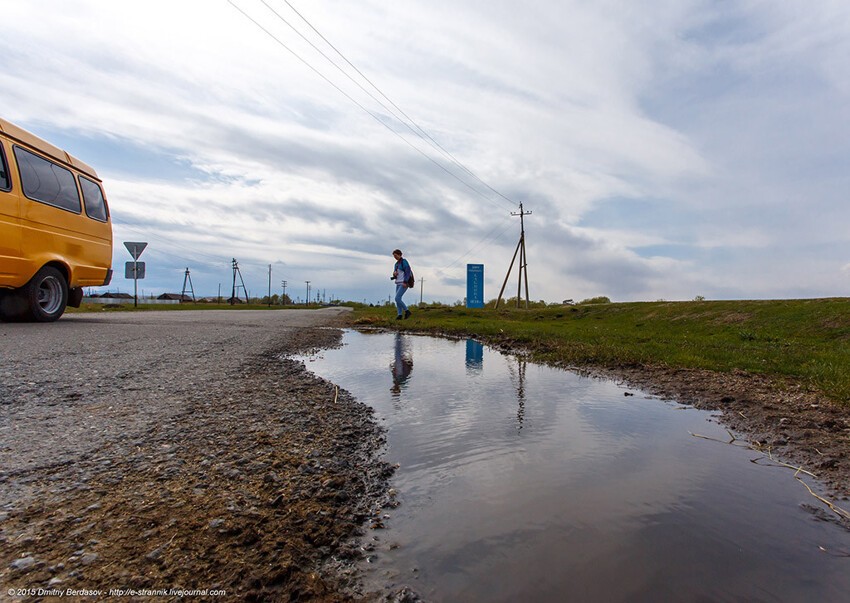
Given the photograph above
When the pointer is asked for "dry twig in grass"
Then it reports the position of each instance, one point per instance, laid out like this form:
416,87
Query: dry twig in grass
733,441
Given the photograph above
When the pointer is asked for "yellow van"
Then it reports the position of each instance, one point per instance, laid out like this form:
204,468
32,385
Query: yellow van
55,230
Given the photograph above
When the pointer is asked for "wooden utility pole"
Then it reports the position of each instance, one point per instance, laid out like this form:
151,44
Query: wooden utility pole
237,272
523,262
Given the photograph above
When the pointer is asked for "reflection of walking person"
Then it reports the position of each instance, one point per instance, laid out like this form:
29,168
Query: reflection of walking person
402,364
403,277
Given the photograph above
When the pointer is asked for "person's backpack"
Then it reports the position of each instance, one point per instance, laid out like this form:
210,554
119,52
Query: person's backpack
409,282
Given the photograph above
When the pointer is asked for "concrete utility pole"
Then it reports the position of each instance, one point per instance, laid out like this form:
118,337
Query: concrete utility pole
283,299
307,299
421,289
270,285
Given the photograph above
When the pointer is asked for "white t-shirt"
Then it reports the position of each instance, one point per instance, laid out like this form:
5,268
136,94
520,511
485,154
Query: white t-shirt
399,277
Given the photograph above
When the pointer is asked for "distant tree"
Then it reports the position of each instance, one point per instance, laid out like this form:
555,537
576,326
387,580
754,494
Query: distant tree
596,300
699,298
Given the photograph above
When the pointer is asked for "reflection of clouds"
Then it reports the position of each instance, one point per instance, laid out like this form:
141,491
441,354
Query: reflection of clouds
597,485
402,364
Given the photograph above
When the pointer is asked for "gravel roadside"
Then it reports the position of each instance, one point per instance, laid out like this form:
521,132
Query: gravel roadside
178,450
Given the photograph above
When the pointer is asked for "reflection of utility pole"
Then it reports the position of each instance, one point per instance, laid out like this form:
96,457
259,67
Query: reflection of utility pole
520,391
307,299
523,261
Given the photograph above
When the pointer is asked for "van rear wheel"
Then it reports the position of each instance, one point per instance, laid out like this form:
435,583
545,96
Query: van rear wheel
45,296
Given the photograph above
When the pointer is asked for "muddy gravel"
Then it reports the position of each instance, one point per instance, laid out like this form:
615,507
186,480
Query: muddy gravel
182,453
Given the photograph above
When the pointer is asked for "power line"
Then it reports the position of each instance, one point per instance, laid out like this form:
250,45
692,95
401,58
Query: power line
353,100
484,239
212,261
422,134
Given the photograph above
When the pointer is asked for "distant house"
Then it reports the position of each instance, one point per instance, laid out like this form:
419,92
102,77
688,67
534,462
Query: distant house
176,297
108,295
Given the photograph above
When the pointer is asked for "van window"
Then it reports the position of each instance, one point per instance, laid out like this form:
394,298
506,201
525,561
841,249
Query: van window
93,198
47,182
4,172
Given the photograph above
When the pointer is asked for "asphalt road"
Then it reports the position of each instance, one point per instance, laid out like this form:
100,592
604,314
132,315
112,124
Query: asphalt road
163,450
70,388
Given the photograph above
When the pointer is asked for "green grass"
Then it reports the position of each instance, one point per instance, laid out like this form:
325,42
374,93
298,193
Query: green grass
806,340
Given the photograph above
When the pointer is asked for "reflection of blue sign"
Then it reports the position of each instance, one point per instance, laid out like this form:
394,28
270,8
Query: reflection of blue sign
474,354
475,285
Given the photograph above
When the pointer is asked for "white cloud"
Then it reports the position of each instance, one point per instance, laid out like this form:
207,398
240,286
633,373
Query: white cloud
710,129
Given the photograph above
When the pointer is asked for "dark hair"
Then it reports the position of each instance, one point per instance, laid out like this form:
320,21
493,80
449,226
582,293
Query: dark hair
397,251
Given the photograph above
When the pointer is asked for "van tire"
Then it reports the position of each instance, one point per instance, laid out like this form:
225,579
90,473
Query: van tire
45,296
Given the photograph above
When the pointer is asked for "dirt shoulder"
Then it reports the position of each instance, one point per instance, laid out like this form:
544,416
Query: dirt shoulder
253,477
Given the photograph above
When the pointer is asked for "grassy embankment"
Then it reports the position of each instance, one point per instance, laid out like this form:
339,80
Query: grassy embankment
806,340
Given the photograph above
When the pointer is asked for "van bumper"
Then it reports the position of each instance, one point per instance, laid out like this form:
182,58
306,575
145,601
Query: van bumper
108,278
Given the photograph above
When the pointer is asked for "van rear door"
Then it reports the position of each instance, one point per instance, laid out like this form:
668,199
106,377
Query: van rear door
10,223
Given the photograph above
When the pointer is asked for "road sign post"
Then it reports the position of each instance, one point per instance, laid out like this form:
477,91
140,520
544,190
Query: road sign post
136,249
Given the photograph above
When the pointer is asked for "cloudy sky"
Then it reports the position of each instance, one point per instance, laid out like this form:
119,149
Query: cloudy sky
667,149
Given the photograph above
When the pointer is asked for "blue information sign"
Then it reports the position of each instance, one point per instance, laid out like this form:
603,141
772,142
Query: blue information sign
475,285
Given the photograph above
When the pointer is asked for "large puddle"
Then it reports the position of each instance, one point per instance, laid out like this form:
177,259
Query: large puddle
520,482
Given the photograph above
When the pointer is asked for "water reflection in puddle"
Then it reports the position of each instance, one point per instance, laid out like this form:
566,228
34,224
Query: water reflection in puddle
520,482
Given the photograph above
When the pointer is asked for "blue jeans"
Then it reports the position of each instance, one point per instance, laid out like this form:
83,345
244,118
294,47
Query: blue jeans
399,291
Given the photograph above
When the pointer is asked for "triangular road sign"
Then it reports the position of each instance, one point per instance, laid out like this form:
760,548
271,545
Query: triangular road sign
135,249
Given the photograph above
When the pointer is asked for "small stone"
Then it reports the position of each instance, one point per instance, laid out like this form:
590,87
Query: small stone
89,558
23,564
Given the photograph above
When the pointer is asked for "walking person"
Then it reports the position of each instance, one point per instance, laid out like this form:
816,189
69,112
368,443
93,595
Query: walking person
403,277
